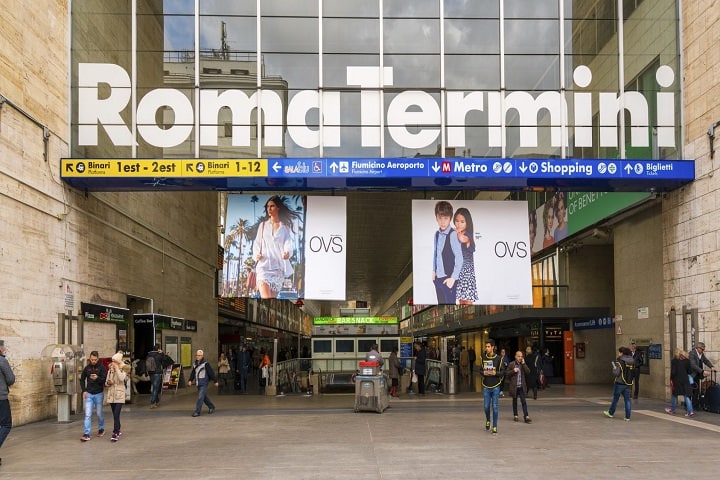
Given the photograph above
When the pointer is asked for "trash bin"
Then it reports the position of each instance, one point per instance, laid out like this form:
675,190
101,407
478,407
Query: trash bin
451,384
371,393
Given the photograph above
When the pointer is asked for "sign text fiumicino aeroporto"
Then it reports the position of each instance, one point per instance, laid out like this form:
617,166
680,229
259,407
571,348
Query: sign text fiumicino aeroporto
412,118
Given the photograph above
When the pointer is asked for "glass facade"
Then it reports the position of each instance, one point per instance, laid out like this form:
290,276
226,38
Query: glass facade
487,78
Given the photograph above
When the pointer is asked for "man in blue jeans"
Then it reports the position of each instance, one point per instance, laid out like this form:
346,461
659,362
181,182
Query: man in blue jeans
154,366
491,381
624,371
92,380
202,373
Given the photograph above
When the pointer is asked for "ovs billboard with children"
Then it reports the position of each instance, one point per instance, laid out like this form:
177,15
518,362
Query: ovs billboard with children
471,253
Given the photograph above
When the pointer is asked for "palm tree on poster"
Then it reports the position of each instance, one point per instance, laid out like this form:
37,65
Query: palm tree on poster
229,257
254,199
239,231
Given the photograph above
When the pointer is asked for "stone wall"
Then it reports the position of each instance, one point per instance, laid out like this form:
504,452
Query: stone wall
99,248
691,250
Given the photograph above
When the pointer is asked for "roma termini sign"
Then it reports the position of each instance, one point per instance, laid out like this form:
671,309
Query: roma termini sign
413,118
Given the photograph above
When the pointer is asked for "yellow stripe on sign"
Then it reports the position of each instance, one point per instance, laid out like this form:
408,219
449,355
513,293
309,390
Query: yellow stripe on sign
94,168
256,167
197,168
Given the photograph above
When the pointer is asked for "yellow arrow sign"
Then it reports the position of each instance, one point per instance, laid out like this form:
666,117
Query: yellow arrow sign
197,168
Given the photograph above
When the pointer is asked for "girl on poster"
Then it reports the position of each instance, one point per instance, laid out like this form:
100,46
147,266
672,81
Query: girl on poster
273,246
466,284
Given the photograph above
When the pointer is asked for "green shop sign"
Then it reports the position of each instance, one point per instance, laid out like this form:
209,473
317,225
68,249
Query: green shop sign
354,320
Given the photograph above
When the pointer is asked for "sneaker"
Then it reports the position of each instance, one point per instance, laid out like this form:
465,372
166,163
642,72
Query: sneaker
212,410
670,411
487,425
119,433
528,420
607,414
690,414
101,433
627,419
85,438
494,431
195,414
115,437
515,418
153,405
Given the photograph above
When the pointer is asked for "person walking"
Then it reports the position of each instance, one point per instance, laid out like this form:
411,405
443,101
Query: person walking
464,363
7,379
680,375
516,374
154,366
623,367
491,383
639,362
244,360
92,382
532,359
115,383
223,370
504,361
202,374
264,369
395,371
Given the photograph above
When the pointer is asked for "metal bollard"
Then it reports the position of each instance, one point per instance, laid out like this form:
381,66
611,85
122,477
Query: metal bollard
451,384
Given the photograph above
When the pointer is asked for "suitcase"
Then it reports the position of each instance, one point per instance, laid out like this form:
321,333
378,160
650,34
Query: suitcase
711,398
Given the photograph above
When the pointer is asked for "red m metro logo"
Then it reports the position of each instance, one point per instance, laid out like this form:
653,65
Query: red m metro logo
446,168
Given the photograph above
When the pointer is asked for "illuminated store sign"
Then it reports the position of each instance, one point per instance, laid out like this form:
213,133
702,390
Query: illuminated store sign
413,117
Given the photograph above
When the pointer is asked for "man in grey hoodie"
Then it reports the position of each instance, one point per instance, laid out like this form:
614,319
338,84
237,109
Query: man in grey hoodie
623,369
7,378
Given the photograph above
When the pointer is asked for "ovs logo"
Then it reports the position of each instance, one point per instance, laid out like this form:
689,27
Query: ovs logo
327,244
504,249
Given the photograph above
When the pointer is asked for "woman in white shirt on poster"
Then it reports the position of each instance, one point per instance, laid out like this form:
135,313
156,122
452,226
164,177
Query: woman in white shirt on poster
273,247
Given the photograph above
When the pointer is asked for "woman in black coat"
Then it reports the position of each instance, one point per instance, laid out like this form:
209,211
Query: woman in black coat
680,372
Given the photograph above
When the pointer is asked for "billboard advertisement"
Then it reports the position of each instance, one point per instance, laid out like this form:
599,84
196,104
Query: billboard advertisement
285,247
325,248
471,252
264,238
567,213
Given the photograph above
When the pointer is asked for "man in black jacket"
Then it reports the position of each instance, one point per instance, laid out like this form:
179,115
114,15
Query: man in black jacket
155,364
491,365
697,360
92,381
639,362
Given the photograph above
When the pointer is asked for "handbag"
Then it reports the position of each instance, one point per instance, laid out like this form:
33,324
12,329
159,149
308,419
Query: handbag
251,282
414,378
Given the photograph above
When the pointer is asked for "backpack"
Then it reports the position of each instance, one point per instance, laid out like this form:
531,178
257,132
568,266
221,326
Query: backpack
624,371
150,364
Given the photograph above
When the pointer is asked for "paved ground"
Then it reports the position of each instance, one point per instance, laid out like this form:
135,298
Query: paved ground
320,437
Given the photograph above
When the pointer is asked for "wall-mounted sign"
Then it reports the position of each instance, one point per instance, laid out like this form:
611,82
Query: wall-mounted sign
104,313
319,173
593,323
654,351
354,320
